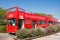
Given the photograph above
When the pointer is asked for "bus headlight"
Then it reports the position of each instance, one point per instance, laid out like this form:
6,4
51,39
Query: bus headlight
13,24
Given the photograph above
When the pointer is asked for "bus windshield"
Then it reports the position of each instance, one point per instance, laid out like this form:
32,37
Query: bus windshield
12,22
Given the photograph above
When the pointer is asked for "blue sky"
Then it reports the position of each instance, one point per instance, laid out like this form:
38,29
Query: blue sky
44,6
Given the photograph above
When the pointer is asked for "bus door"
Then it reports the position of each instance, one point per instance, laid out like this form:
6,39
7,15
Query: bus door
20,24
34,23
50,23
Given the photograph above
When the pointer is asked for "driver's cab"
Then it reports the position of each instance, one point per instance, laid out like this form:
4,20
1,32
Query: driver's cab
12,25
11,22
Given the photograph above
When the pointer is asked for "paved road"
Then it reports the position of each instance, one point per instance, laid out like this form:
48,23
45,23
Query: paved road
50,37
6,36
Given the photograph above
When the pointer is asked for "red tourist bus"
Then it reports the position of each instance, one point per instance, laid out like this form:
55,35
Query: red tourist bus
18,19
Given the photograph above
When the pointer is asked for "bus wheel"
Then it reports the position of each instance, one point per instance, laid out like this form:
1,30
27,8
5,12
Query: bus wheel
12,33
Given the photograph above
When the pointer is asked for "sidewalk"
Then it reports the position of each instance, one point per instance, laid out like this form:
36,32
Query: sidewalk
50,37
6,36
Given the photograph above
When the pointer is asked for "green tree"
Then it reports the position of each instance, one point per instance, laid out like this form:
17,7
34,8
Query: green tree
49,15
3,13
41,14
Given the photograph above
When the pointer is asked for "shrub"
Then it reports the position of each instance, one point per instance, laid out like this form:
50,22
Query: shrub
54,28
32,33
58,26
37,32
23,33
40,31
48,30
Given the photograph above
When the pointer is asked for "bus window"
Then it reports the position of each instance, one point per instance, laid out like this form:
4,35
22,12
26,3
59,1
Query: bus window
12,22
55,22
41,22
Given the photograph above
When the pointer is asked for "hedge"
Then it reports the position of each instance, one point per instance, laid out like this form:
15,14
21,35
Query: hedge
22,33
27,33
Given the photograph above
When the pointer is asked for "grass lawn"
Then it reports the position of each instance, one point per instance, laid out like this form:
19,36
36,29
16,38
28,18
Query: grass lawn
2,28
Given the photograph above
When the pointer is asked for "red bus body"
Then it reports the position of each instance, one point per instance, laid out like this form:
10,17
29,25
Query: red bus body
21,19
